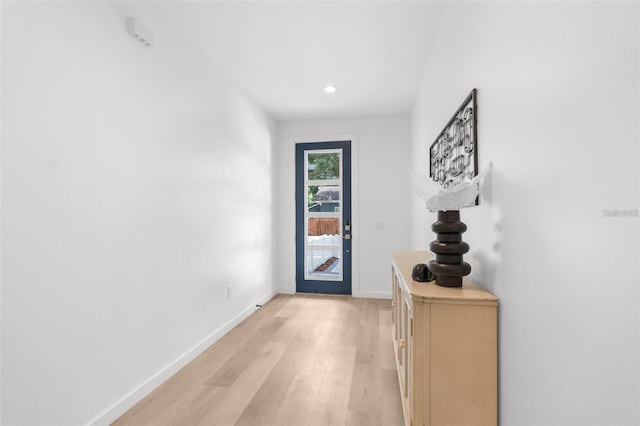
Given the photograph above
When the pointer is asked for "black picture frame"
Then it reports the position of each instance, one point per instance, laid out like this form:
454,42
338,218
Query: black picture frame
453,156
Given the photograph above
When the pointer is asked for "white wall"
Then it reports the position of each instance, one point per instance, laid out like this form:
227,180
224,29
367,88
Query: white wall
558,117
381,195
136,184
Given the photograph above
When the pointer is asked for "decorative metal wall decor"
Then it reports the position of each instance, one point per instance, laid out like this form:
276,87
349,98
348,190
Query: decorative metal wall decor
453,155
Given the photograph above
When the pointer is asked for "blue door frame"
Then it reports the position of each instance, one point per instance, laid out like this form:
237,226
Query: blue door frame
305,284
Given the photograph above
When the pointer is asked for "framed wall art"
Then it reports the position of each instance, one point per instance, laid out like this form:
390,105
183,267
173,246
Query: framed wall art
453,155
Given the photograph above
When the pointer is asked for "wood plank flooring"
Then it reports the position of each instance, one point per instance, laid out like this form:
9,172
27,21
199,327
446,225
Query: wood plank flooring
300,360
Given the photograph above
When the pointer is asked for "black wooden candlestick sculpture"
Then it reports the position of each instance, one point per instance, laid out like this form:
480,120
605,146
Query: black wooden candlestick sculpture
448,266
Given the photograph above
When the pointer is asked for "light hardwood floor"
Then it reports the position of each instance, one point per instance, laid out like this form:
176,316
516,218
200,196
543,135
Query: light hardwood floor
299,360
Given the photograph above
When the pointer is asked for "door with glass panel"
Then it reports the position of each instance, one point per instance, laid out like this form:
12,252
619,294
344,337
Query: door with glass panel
323,217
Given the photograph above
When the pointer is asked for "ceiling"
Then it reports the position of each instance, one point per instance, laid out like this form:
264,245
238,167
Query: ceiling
283,53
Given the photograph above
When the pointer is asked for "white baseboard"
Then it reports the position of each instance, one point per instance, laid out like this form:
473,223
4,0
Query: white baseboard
135,396
359,294
373,294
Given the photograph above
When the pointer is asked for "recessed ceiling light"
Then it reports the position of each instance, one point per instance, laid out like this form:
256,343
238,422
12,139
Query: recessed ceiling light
330,88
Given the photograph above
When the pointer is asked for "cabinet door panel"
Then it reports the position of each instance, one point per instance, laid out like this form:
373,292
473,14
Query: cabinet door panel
463,364
407,354
421,367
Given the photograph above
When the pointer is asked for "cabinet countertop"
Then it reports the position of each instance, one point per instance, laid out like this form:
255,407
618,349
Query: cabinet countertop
469,292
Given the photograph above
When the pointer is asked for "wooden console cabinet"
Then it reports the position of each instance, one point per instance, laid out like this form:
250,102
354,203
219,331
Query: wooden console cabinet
446,349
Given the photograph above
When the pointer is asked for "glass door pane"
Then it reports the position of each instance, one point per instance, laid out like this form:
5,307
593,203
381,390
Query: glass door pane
323,215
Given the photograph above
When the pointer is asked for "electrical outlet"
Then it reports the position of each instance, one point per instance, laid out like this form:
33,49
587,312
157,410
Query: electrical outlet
229,288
